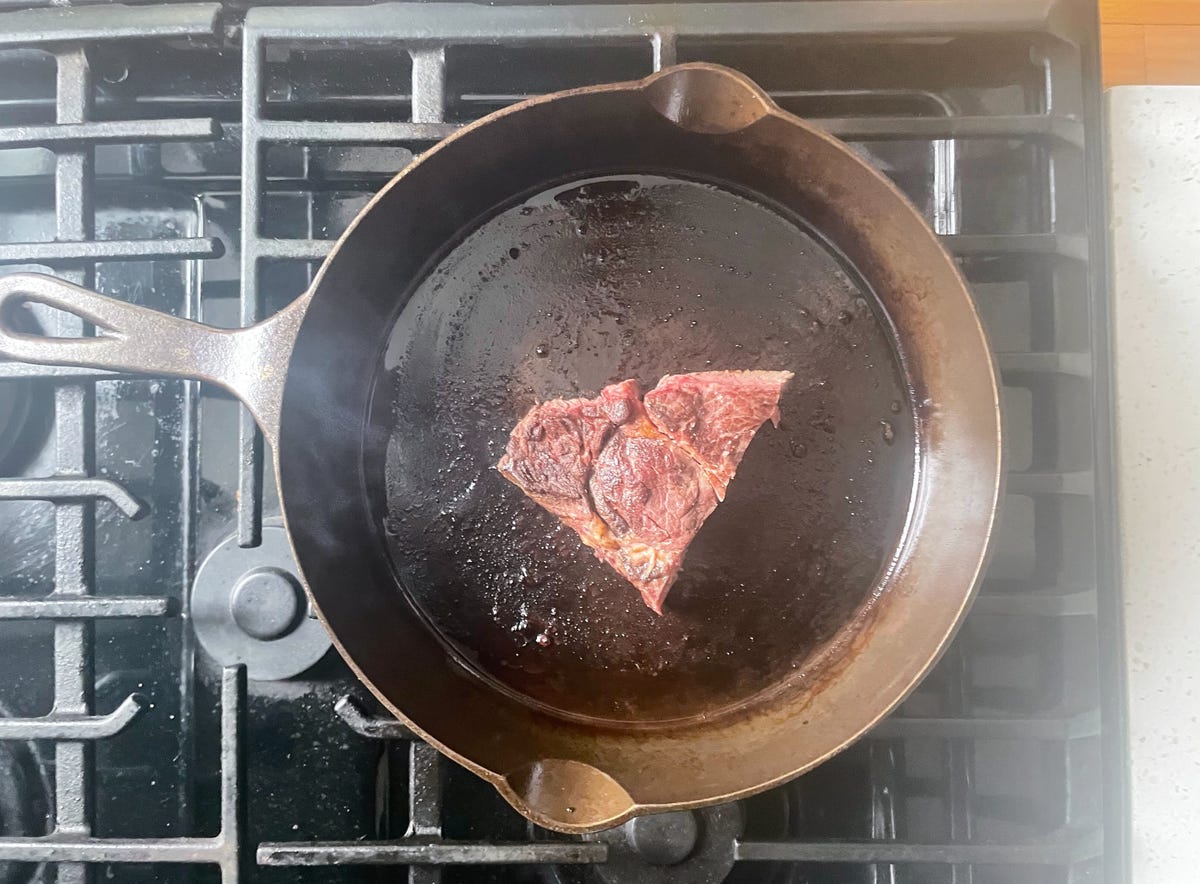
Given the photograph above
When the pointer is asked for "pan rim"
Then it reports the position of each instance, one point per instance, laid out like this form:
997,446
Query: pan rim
891,553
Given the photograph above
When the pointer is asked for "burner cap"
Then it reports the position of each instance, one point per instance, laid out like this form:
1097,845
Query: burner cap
267,603
689,847
664,839
249,607
680,847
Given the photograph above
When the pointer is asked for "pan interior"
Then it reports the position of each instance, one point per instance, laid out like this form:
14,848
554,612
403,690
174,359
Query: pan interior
639,276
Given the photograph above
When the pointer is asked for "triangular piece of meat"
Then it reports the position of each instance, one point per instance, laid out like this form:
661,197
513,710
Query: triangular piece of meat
636,490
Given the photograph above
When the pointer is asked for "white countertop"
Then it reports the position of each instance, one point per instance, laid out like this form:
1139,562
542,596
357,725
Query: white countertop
1154,162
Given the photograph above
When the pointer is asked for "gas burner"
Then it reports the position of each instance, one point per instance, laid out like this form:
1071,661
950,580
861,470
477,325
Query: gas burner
692,846
681,847
24,801
249,607
688,847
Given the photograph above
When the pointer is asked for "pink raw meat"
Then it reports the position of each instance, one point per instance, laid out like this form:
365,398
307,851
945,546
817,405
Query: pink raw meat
637,480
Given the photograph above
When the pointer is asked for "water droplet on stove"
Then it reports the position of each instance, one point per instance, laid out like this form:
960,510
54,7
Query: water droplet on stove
845,317
895,406
889,432
541,350
543,640
799,449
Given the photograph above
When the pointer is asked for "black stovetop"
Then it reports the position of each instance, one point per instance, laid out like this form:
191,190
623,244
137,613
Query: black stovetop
199,159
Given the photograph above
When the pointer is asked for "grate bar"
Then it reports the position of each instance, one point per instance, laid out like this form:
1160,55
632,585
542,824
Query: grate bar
1067,849
412,851
1086,724
88,251
300,132
70,489
110,132
664,49
1079,483
464,23
1081,603
891,728
233,773
429,85
958,758
74,728
291,249
424,791
83,607
113,850
848,128
250,441
1079,364
424,806
116,22
884,765
1062,245
74,523
1063,129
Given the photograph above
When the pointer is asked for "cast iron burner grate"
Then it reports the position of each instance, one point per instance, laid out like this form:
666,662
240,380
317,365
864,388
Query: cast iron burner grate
201,159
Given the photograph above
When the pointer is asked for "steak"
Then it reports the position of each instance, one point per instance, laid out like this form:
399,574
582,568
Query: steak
636,479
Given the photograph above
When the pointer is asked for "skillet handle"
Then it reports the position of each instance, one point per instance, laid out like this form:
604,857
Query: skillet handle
249,362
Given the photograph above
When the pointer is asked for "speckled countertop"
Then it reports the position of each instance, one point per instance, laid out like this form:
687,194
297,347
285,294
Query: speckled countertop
1154,157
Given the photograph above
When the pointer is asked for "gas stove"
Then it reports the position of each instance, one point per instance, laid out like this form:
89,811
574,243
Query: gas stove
168,711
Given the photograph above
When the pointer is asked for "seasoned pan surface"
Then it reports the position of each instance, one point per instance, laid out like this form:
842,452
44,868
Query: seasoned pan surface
597,280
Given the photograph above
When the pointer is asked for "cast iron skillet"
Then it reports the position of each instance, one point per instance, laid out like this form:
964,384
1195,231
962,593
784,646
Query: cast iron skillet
679,223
